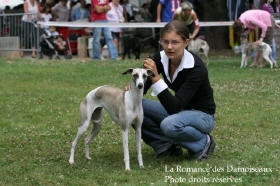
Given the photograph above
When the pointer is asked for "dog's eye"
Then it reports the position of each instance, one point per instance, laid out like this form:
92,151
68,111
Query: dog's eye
144,76
135,76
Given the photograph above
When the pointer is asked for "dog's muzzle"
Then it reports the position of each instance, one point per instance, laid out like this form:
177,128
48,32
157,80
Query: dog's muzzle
140,85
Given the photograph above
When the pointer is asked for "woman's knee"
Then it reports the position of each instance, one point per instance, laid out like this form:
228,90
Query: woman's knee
168,127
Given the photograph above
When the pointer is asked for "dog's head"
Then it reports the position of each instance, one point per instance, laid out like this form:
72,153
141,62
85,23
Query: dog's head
243,38
139,76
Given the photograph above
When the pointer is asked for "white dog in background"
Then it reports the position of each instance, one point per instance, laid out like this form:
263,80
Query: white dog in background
248,48
198,46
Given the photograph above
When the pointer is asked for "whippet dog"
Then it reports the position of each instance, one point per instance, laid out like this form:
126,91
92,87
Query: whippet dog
198,46
248,48
124,107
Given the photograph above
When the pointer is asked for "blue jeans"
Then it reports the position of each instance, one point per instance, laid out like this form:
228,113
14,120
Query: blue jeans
109,41
273,47
189,128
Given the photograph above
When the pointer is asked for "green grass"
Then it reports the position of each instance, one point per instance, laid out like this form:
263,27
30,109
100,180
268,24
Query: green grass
39,116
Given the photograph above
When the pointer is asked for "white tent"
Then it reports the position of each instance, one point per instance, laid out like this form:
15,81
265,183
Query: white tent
10,3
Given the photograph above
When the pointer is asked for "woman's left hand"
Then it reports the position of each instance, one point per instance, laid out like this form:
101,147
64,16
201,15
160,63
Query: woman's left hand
150,64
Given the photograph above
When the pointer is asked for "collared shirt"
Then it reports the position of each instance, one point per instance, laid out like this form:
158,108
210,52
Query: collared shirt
190,83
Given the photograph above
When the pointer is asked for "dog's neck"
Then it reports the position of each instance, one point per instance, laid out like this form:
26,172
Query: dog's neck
135,93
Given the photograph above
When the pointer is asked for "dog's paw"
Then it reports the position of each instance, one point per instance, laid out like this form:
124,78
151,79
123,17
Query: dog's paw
71,162
88,157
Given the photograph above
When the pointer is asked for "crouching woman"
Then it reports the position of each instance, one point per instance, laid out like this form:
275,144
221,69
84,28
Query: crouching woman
183,120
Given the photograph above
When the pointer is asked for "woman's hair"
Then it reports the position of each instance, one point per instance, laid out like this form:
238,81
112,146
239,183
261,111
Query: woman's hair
237,26
178,26
186,5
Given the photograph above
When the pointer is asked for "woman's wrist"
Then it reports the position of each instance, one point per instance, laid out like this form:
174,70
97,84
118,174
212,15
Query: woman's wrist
155,79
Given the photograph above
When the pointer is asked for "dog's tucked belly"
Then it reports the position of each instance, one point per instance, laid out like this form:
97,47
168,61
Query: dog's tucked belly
111,98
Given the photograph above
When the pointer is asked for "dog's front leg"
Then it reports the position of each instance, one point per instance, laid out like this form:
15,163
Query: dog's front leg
138,143
125,148
243,61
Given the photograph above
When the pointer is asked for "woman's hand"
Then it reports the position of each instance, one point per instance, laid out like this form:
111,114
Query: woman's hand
150,64
259,41
126,88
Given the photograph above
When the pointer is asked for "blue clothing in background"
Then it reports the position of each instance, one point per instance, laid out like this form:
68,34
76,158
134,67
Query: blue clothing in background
168,9
79,13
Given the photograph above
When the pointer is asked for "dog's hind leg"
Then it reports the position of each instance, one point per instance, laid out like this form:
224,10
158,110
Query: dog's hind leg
82,129
125,148
273,60
85,116
206,52
266,57
97,118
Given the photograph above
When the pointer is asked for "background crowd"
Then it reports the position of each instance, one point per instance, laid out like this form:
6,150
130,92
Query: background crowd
128,11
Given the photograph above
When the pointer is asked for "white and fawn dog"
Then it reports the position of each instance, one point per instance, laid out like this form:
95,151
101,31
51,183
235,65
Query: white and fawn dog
248,48
198,46
124,107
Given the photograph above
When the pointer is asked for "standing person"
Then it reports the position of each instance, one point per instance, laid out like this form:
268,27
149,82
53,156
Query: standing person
266,5
29,31
80,12
186,14
98,14
166,9
60,11
115,15
277,6
186,118
46,15
254,19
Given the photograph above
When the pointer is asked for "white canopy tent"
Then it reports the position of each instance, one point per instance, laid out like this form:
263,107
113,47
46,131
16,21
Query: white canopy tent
10,3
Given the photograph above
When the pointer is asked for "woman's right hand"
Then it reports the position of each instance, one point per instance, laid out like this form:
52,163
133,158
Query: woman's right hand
150,64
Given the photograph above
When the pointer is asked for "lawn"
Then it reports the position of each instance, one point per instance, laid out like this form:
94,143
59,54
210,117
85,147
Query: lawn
39,116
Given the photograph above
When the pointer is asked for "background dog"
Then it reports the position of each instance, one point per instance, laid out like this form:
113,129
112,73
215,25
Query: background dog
199,46
131,44
248,48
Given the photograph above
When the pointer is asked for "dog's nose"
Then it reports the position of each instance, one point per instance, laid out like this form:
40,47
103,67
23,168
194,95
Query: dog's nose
140,85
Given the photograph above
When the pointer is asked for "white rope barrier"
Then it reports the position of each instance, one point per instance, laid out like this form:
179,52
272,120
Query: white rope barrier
127,25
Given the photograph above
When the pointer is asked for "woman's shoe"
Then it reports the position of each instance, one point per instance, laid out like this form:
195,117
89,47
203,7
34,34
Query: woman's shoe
253,65
261,65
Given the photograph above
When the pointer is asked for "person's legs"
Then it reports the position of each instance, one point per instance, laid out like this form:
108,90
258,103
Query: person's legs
255,62
33,40
152,135
269,40
96,43
190,129
110,44
274,53
116,36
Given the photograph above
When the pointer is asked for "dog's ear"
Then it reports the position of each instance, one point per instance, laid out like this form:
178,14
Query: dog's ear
150,73
129,71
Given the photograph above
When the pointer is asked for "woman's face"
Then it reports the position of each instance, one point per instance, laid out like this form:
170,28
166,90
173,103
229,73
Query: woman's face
173,45
187,12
